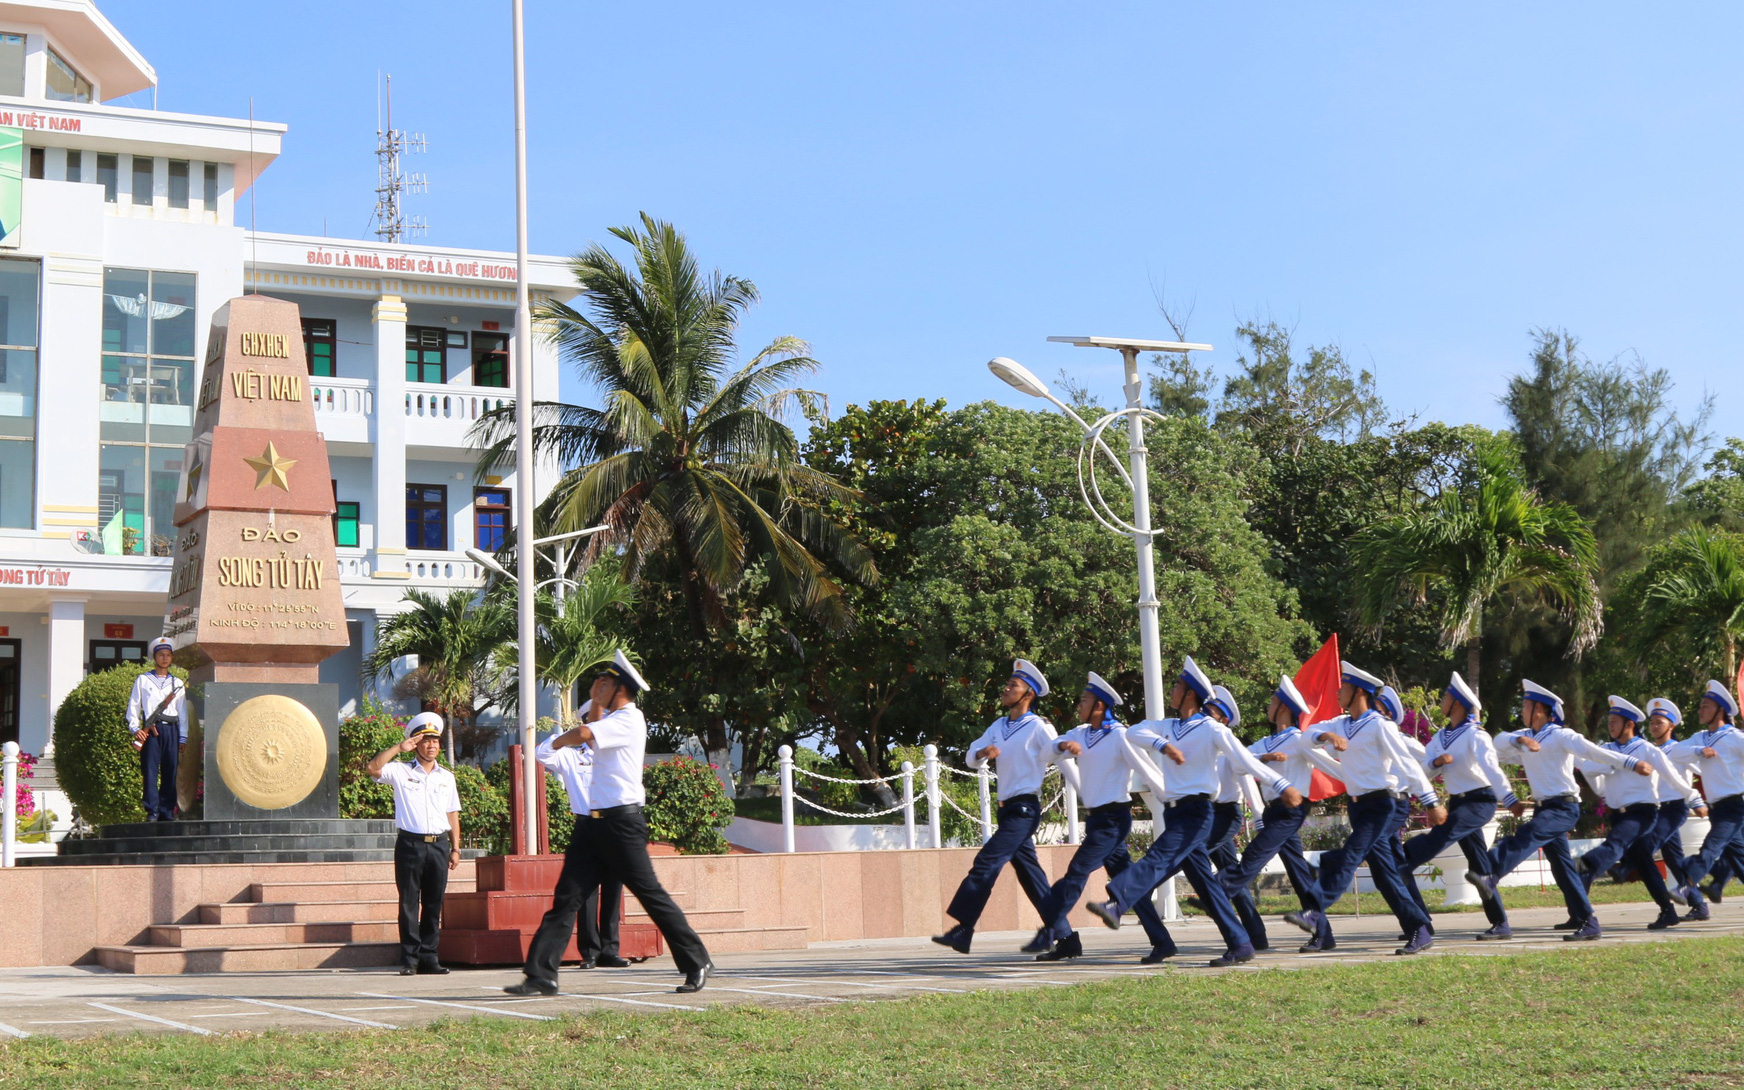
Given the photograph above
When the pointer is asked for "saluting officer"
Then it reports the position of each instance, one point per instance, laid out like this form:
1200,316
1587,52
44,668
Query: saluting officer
1021,745
596,925
1464,756
1106,762
610,841
157,717
427,813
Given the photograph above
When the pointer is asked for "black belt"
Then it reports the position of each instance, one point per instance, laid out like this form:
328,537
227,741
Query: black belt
1203,796
1387,791
1472,794
613,811
1123,804
1553,798
1020,798
1724,798
425,837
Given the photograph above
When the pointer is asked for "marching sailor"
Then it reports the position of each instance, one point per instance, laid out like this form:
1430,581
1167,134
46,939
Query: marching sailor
427,814
1464,756
1280,823
1633,802
1372,761
1235,792
1021,745
157,717
596,938
610,841
1663,719
1392,709
1106,761
1719,752
1192,741
1548,750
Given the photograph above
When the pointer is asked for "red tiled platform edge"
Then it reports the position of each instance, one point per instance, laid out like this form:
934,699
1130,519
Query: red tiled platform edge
494,924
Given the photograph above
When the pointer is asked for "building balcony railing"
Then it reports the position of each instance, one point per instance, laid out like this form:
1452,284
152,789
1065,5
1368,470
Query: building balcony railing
335,397
424,568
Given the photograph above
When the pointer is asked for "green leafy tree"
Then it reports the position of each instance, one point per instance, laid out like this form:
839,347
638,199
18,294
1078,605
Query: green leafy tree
691,463
1718,498
454,637
1284,402
572,639
1493,539
1696,603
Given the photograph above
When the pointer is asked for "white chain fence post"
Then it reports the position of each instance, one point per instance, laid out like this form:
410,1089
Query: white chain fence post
986,804
9,797
785,753
932,794
908,801
1070,795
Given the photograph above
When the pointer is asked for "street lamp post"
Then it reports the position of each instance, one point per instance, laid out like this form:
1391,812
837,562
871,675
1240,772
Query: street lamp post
1136,476
525,658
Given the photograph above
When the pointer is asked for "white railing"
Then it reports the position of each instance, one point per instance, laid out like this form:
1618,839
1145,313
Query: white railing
462,403
354,566
9,798
443,568
343,397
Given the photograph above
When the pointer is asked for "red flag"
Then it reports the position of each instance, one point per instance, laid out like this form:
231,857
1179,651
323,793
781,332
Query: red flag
1319,680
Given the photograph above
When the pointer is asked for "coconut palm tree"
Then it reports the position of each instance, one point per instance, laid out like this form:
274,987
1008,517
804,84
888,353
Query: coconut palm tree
454,638
1699,599
1494,538
690,462
573,638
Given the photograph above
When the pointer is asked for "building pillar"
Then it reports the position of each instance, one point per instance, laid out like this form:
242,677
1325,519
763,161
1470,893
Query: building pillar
66,656
72,351
388,432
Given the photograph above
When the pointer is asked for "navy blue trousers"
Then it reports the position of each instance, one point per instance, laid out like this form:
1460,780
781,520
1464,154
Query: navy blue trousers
1278,835
1725,827
1628,825
1012,842
1104,847
1373,819
1220,839
157,767
1180,849
1548,829
1466,818
1663,834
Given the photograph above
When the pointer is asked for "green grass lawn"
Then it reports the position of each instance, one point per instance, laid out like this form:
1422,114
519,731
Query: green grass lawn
1642,1014
1603,893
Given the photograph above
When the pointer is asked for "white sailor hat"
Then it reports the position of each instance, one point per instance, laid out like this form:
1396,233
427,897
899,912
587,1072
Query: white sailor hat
621,669
1102,691
1462,692
1196,679
1391,704
1722,696
424,723
1034,678
1223,698
163,642
1661,706
1291,696
1535,691
1624,708
1362,679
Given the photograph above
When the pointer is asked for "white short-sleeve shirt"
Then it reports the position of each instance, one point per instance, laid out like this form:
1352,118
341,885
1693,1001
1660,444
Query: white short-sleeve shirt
619,740
422,800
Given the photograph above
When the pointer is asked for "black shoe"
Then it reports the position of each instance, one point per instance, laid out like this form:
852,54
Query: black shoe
1158,955
957,938
1570,924
432,969
1666,919
1106,911
1069,947
1680,894
1589,931
1235,955
696,978
1585,872
529,986
1711,892
1698,914
611,961
1498,931
1306,920
1259,943
408,970
588,963
1041,944
1417,943
1485,884
1319,944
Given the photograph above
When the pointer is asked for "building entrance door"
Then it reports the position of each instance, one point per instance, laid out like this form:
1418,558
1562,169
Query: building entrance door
9,684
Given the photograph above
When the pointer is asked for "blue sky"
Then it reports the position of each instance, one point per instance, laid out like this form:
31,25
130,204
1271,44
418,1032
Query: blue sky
919,187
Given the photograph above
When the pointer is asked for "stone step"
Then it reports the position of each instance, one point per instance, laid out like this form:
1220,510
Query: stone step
499,910
162,960
297,911
267,827
172,859
739,940
266,842
265,892
209,936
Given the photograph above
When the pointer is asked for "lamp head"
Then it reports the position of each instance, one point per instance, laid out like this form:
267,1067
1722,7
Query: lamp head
1017,376
488,562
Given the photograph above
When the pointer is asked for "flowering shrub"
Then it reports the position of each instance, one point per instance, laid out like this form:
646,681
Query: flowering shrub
26,805
687,806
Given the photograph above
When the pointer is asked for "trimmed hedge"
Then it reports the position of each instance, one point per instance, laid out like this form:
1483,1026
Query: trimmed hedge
484,811
687,806
95,762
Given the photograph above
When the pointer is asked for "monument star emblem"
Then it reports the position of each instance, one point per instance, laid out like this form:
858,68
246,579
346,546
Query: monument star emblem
271,468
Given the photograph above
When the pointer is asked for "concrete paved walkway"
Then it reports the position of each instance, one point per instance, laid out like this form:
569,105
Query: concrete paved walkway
80,1001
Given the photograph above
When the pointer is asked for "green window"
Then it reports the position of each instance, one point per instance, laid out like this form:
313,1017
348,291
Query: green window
426,354
345,524
319,341
490,359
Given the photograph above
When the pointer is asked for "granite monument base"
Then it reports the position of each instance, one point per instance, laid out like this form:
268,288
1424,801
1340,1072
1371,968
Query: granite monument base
270,751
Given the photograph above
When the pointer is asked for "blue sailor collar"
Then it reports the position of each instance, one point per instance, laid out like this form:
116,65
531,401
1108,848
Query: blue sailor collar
1353,727
1098,734
1012,726
1274,740
1184,727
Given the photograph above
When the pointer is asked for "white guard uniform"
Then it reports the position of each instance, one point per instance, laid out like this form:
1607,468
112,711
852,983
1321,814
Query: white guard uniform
1026,748
1201,739
422,800
148,691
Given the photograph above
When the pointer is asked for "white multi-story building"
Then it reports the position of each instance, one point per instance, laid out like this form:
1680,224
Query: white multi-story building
125,243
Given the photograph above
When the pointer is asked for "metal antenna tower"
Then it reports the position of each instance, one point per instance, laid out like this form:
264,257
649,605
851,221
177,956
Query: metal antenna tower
392,183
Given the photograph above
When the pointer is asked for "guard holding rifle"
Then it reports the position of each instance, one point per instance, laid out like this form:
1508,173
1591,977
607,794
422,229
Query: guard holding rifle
427,812
157,717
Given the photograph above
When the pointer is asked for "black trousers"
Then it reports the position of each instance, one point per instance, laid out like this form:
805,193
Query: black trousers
421,874
157,770
610,848
596,926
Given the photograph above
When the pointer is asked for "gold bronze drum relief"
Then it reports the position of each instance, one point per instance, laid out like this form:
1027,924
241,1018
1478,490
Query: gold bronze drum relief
271,752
